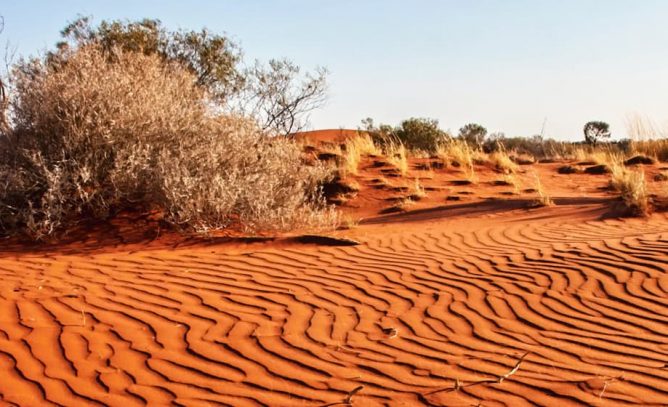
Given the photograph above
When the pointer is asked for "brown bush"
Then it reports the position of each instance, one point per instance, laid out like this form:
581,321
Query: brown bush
237,173
95,133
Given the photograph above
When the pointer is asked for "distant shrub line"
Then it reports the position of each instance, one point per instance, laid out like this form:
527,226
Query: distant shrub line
424,135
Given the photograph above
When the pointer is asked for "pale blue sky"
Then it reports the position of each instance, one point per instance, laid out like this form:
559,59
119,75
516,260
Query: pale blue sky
505,64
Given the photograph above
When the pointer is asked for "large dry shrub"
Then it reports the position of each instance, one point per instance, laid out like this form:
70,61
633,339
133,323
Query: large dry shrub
237,174
95,132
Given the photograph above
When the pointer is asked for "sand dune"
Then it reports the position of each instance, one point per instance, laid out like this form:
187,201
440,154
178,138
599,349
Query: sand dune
418,314
473,301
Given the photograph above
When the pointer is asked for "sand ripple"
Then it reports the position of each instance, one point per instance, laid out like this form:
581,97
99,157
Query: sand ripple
422,317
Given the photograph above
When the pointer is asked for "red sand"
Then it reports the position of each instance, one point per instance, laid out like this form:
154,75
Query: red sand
436,306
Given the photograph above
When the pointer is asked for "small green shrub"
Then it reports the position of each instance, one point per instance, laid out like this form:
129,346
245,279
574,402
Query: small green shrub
416,134
473,133
421,134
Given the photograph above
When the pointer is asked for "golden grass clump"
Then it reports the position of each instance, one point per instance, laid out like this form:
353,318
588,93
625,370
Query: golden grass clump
478,156
502,162
350,160
459,153
596,155
543,199
632,187
579,154
364,144
348,222
397,157
455,152
522,158
417,191
402,204
353,150
657,149
97,133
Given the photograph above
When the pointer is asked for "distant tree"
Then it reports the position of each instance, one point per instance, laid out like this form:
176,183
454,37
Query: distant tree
421,133
473,134
596,131
368,125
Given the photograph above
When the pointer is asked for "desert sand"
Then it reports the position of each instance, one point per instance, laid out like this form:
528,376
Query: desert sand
469,297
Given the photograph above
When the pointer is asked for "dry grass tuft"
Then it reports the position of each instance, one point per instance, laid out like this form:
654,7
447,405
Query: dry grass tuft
405,203
543,198
458,153
657,149
364,144
502,162
348,222
349,160
417,191
598,156
397,157
632,187
401,205
522,158
353,150
455,152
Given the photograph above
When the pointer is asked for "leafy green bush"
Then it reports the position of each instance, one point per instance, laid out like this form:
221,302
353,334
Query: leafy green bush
421,134
414,133
473,133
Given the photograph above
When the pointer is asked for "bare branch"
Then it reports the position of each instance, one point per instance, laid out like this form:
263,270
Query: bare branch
279,98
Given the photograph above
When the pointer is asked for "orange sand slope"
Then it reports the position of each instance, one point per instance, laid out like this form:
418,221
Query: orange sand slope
420,313
467,297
